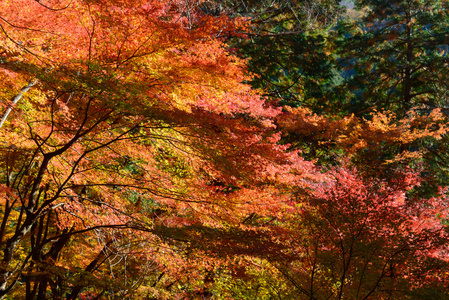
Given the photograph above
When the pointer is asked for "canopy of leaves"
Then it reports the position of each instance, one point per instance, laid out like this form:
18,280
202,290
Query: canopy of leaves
144,153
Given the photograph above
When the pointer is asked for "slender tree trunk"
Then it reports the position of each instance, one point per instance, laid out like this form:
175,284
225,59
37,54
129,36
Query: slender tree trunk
7,211
16,99
408,69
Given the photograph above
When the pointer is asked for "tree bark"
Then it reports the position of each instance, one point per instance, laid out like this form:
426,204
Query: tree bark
16,99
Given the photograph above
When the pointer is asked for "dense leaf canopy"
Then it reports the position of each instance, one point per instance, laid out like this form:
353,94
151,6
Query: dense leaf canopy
189,149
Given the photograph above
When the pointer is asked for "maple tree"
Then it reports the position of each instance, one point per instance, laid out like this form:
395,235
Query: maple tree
380,141
369,240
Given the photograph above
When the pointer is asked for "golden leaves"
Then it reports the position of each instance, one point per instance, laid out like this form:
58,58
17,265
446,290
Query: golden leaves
380,131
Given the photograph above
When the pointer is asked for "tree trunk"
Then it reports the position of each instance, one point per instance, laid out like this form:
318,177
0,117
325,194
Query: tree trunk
15,100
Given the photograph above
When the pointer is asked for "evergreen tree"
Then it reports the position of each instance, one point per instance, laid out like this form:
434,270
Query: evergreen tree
398,55
288,47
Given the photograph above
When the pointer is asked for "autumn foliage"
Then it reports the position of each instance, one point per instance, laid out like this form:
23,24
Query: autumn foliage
137,162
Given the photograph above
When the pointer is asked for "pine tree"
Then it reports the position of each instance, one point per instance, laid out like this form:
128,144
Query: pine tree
398,55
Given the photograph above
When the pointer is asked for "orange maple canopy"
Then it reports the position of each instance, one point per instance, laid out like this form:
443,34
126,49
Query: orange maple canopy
138,120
